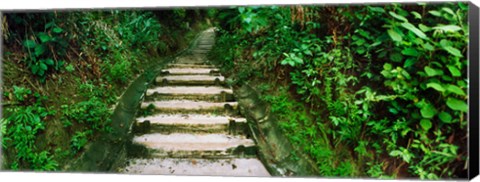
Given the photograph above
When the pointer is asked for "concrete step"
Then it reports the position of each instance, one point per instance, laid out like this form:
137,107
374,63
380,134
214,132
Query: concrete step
189,106
189,90
190,80
190,60
204,93
206,42
198,167
179,65
200,51
191,123
178,142
191,71
205,46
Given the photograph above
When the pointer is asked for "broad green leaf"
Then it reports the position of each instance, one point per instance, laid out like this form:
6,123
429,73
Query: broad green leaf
410,52
435,13
428,111
41,72
49,62
29,44
448,28
395,153
406,75
445,43
448,10
417,15
399,17
424,28
414,29
436,86
57,30
457,105
426,124
387,66
39,50
409,62
454,71
428,46
34,69
377,9
455,89
44,37
454,51
394,35
43,66
396,57
432,72
445,117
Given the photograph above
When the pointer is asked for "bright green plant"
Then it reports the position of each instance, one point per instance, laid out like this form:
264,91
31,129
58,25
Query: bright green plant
43,50
20,129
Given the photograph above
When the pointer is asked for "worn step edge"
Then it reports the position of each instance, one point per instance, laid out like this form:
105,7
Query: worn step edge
234,152
189,119
195,166
190,106
189,90
191,142
190,71
181,65
190,80
167,124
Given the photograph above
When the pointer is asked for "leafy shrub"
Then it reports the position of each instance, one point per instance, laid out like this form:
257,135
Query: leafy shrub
386,82
19,132
93,113
43,49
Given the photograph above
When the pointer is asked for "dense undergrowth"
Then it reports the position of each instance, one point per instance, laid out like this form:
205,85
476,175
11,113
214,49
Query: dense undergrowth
375,90
63,72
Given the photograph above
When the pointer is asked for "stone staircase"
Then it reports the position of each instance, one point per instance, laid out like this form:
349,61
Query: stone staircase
195,128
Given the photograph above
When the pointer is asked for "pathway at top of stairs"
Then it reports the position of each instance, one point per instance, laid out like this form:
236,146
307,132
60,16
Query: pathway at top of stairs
196,128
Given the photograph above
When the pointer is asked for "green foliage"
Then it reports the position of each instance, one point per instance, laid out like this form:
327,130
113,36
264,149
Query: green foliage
386,82
19,132
101,51
43,49
93,113
79,140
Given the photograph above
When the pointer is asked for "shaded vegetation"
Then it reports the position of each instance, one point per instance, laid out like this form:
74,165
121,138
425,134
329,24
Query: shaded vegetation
375,90
63,73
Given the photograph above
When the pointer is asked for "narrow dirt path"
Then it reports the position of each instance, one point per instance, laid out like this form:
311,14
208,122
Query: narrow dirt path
196,128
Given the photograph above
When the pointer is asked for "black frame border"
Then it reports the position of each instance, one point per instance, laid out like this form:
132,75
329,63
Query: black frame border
473,76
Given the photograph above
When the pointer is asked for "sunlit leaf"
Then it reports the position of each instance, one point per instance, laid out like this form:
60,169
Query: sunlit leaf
44,37
435,13
455,89
454,71
448,28
417,15
436,86
399,17
414,29
432,72
454,51
428,111
457,105
394,35
445,117
426,124
410,51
